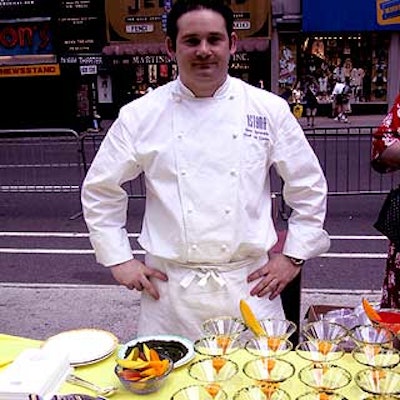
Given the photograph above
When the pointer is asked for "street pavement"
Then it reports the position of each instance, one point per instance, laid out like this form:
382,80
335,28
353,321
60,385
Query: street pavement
42,310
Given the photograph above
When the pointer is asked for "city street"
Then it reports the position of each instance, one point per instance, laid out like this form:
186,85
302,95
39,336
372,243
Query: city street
41,244
48,270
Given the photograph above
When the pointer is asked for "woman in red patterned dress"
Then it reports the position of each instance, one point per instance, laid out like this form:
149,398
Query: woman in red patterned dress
386,158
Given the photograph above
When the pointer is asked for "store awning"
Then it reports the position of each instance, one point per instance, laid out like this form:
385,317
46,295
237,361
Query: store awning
248,45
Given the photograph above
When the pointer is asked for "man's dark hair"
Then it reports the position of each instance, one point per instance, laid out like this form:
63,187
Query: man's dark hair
181,7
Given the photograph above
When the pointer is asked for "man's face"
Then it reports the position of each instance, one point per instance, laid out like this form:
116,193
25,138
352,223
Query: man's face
203,49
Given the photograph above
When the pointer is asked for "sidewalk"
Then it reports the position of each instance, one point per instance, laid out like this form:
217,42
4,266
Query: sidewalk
40,311
354,120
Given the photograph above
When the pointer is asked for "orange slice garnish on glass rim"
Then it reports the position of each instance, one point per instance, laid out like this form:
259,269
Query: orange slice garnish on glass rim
370,311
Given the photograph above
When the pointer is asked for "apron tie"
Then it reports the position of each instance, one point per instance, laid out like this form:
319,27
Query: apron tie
204,276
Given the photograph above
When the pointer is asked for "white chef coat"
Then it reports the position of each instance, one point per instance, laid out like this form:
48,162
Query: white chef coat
206,163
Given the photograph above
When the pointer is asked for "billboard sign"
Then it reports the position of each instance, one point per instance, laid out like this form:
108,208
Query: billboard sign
144,21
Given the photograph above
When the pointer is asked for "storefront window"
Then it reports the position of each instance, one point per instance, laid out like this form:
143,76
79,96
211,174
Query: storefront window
324,59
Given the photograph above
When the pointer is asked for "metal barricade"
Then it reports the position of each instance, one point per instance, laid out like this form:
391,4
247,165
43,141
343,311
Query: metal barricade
40,161
345,157
90,144
344,153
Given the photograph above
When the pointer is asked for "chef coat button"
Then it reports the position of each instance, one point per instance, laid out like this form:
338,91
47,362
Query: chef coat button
224,247
235,135
179,136
194,247
228,210
183,173
190,211
234,172
231,97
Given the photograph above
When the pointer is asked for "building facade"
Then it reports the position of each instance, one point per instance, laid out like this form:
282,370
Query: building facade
67,62
318,43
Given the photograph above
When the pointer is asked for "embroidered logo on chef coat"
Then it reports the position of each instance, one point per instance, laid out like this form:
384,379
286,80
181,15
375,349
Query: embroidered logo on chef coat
256,127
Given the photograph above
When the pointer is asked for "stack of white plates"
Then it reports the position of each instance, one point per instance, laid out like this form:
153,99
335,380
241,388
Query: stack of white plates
34,371
83,346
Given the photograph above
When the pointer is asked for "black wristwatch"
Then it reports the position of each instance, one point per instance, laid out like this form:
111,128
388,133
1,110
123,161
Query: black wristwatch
298,262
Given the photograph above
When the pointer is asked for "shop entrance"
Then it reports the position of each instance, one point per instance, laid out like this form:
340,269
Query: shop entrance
36,102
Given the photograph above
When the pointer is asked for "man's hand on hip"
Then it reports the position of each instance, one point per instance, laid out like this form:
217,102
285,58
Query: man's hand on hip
275,275
135,275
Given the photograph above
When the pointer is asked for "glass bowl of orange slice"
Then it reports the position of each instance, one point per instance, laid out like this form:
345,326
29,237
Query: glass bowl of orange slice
147,376
200,392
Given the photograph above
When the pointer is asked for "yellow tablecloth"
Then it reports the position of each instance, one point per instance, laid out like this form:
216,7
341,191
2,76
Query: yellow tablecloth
102,373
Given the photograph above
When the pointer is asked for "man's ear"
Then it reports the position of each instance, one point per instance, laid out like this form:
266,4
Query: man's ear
170,48
233,43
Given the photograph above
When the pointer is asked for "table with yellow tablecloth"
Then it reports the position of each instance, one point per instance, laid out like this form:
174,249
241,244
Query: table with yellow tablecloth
102,373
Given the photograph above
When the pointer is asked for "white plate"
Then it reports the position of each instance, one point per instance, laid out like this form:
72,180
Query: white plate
163,341
84,346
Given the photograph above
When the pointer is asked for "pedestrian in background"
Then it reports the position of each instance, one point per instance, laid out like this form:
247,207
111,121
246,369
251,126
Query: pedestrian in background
311,106
346,104
386,158
205,143
337,104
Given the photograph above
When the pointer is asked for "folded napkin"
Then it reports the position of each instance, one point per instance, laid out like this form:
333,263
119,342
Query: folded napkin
11,346
37,372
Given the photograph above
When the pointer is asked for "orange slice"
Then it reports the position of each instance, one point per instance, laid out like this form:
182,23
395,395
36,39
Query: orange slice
274,343
372,350
370,311
218,363
324,347
213,389
250,319
223,342
324,396
269,363
268,389
377,375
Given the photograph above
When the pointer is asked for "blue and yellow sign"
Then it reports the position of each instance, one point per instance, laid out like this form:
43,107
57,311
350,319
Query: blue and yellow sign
351,16
388,12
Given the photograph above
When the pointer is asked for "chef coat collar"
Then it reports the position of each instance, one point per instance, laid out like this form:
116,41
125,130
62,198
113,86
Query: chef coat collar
182,91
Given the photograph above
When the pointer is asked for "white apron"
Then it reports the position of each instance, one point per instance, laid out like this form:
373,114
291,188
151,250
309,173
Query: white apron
194,294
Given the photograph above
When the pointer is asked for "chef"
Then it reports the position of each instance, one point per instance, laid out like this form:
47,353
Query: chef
205,144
